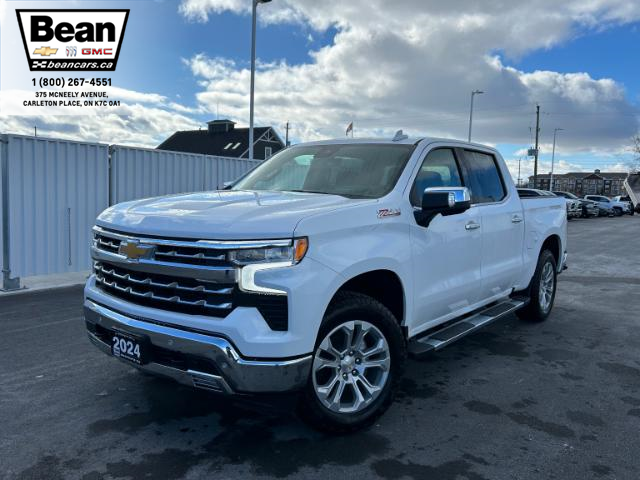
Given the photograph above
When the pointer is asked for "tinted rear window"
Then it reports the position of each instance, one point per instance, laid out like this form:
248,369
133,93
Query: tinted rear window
484,179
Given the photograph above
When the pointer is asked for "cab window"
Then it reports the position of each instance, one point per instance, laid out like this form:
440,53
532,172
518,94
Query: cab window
484,179
439,169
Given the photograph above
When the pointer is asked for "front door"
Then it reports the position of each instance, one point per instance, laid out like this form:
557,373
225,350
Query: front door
446,254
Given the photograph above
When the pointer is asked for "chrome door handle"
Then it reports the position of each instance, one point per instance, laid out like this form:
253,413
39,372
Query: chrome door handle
472,226
516,219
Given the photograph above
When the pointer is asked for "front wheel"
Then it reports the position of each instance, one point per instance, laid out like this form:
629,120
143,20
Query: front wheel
542,289
357,363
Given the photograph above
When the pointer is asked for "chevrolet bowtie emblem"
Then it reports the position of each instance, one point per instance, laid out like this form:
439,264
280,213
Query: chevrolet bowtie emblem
45,51
135,251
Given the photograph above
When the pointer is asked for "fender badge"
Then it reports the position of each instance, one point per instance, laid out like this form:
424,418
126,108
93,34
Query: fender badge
388,212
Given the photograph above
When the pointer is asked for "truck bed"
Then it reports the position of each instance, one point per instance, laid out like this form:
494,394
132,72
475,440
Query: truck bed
632,186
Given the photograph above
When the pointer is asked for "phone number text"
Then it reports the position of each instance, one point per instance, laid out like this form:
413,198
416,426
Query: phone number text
62,82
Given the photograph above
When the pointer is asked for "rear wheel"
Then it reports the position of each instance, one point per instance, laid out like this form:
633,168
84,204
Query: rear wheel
542,289
617,211
357,363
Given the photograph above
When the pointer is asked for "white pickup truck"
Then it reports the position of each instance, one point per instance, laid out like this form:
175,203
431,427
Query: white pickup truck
321,269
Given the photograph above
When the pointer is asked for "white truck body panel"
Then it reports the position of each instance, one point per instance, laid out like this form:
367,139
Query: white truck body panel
446,270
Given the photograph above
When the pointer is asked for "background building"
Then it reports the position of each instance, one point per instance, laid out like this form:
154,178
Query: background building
583,183
223,139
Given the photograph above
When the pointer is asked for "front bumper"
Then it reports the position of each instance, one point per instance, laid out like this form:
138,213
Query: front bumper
200,360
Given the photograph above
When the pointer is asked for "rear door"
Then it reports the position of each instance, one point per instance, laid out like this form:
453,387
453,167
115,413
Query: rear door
502,218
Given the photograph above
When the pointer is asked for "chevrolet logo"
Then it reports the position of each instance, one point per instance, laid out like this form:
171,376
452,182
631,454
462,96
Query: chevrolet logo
45,51
134,251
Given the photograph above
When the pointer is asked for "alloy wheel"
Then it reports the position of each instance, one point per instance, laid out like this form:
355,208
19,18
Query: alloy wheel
351,367
547,284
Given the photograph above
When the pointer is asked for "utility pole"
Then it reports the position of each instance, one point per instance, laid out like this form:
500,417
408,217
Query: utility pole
535,163
553,157
254,14
35,131
286,142
519,160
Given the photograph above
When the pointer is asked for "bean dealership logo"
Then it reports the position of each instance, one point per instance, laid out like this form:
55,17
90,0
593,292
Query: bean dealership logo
72,40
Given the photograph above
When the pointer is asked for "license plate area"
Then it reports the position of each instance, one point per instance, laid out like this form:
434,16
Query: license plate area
129,347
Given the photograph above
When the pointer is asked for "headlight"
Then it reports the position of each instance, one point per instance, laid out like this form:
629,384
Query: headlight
253,260
292,253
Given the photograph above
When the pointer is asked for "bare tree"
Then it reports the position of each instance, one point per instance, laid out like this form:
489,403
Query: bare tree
634,164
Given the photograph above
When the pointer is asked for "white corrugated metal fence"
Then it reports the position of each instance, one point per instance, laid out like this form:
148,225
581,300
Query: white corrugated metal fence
56,188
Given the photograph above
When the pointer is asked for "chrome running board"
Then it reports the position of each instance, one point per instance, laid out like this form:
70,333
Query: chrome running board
435,340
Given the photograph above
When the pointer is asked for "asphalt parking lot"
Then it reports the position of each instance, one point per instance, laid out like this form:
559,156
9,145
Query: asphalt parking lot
515,401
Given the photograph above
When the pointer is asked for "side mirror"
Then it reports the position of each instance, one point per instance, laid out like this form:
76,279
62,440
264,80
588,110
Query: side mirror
443,200
227,185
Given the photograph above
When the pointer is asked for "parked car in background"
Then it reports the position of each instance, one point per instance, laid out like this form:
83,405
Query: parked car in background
574,209
618,208
625,199
600,211
588,208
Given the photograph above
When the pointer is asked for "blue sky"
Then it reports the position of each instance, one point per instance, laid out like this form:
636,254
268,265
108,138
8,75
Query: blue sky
225,35
385,65
610,53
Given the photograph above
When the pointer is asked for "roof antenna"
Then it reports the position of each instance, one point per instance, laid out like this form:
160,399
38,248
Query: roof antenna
400,136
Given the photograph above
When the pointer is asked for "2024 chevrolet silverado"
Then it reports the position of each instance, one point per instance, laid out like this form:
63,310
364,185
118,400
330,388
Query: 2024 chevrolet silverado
321,269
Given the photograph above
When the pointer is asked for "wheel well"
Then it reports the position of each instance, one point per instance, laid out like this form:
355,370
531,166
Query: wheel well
553,245
382,285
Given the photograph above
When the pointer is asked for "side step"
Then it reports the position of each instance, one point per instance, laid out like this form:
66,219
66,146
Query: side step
441,338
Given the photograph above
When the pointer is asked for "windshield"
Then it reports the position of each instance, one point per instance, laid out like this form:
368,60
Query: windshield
566,195
350,170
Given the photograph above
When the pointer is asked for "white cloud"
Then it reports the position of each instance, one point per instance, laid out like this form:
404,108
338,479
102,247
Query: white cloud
412,64
407,64
136,125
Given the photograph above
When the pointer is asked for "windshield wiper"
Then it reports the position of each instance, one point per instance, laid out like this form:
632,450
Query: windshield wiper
313,191
345,195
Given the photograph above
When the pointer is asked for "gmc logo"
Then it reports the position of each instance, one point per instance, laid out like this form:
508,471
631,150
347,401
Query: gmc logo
47,35
97,51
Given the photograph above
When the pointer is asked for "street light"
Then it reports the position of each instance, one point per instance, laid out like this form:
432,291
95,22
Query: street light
253,71
553,157
473,94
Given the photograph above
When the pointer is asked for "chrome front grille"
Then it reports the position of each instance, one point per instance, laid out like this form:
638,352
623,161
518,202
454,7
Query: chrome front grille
182,294
170,251
193,277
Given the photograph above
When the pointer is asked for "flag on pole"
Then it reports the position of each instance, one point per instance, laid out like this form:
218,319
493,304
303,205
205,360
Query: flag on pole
349,129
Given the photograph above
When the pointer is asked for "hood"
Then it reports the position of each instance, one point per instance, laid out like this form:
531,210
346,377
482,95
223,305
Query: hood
220,215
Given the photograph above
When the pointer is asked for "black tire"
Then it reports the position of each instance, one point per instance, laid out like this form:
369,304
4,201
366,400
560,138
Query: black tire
632,212
617,211
534,311
350,306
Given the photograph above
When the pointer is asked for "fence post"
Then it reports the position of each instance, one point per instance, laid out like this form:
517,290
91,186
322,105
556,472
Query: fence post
8,283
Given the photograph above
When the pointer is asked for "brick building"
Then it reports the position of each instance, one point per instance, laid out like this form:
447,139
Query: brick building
583,183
